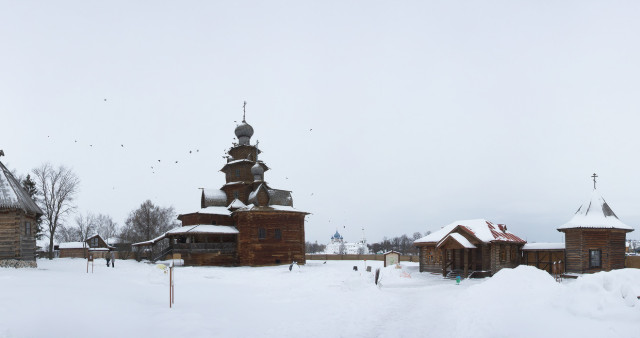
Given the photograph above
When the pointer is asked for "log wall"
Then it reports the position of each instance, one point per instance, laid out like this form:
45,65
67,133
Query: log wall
14,243
579,241
269,251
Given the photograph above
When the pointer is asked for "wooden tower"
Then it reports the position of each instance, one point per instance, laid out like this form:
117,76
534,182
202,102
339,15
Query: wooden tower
594,237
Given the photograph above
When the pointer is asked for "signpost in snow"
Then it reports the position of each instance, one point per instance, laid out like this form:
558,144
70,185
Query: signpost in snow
90,259
171,294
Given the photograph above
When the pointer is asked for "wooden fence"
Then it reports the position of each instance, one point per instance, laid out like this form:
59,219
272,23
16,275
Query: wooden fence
380,257
632,262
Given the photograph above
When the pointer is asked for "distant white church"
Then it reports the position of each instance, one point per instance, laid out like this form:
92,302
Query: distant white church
338,246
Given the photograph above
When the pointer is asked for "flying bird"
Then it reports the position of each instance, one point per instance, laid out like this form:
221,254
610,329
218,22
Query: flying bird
189,151
176,161
105,100
122,145
158,160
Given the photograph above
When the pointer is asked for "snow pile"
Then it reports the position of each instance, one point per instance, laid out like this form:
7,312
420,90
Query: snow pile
519,300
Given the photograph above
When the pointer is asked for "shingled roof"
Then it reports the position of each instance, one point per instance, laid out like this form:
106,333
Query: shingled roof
13,196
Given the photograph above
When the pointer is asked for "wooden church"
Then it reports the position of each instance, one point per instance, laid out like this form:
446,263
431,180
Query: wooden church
595,237
244,222
18,217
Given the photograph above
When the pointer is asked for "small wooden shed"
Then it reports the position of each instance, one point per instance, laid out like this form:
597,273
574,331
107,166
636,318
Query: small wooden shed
544,255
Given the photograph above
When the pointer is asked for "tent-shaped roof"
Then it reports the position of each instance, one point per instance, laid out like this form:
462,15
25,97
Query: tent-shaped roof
595,213
12,195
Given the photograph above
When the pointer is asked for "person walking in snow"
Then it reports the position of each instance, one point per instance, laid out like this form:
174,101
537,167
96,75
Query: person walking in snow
107,257
113,259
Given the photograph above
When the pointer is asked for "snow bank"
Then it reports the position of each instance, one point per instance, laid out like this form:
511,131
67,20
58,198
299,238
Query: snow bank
519,300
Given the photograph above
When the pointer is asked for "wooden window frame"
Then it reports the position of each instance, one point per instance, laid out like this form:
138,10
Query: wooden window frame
262,233
277,234
27,228
591,265
503,253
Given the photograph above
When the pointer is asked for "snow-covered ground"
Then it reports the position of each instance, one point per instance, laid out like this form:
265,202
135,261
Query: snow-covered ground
59,299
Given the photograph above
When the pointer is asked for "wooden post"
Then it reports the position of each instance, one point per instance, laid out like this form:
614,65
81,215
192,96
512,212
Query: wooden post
466,262
170,286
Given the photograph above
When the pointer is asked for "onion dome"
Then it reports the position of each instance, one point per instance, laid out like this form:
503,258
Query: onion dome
244,131
337,235
257,169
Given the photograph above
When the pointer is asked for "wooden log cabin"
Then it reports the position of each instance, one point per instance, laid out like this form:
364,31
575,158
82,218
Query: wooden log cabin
94,245
594,237
469,248
18,219
245,222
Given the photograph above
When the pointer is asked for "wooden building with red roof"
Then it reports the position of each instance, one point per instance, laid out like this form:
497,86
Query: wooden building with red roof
469,248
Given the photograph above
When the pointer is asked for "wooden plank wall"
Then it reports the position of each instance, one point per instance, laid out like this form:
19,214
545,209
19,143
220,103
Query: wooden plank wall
632,262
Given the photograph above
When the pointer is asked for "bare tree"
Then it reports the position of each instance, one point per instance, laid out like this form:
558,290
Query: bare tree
106,227
148,221
67,234
86,225
58,187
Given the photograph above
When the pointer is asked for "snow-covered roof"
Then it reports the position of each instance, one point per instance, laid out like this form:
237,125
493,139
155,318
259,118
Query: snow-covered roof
204,228
458,238
151,241
436,236
482,229
595,213
543,246
236,204
12,195
214,197
73,245
271,207
213,210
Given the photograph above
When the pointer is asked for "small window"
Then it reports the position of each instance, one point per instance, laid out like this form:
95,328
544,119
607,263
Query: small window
503,253
94,242
262,233
595,258
27,228
237,172
278,234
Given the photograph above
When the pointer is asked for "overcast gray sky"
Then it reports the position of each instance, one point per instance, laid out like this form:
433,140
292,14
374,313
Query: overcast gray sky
395,116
